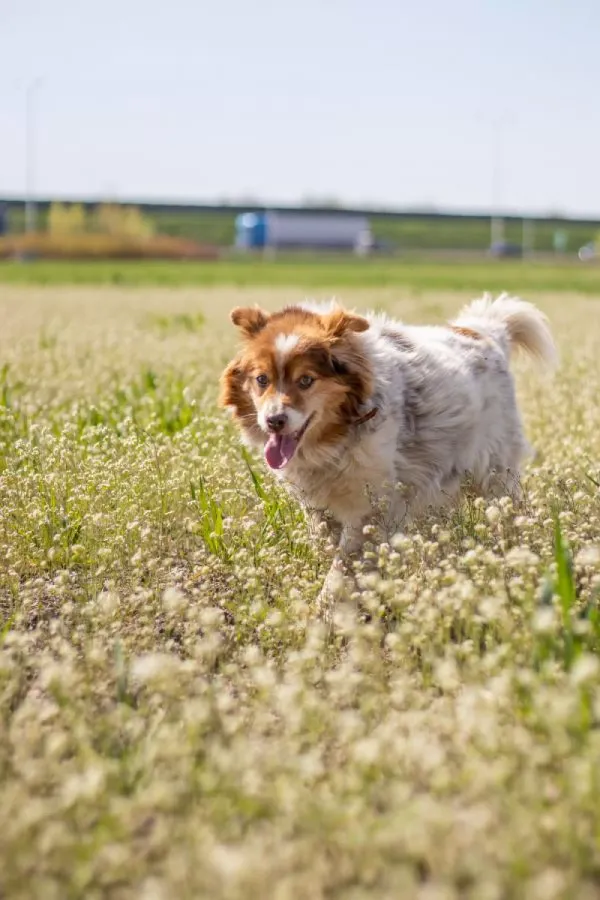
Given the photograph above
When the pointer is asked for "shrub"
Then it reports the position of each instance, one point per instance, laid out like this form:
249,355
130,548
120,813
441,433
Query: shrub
63,219
114,219
102,246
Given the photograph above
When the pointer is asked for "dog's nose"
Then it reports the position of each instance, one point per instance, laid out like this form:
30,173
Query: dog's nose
277,422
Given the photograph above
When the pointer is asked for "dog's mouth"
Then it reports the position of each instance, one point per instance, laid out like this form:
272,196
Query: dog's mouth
280,448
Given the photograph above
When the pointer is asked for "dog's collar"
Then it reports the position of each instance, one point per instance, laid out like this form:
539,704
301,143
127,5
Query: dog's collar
366,417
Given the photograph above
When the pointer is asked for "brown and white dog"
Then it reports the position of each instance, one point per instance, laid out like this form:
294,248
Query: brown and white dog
357,413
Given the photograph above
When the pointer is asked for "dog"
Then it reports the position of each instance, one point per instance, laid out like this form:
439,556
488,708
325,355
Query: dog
366,418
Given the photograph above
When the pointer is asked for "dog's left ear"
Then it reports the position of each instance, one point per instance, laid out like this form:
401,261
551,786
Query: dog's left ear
249,319
339,322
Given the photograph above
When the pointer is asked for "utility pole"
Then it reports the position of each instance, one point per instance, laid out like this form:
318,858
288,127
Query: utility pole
30,153
497,221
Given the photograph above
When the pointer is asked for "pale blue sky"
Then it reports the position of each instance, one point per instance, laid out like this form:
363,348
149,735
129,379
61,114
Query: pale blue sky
382,102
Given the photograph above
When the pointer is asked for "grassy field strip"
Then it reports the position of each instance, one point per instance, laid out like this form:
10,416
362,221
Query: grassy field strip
326,273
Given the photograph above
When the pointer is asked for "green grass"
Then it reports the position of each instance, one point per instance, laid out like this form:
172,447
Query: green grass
310,273
474,234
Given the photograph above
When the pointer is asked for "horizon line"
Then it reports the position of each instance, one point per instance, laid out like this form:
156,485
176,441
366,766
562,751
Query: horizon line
256,205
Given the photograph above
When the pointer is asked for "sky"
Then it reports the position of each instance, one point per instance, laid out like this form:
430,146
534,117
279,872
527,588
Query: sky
458,105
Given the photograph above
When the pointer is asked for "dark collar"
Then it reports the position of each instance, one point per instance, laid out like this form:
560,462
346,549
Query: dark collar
366,417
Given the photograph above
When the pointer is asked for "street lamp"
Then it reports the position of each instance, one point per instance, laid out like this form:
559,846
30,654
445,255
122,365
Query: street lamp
30,153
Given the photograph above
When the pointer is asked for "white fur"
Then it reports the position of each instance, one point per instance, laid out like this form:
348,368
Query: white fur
514,323
446,410
274,406
284,344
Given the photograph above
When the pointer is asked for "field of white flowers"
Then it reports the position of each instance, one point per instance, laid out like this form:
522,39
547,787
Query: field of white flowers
175,719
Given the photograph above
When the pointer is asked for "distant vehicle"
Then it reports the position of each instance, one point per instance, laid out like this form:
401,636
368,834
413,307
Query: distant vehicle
503,249
587,252
294,230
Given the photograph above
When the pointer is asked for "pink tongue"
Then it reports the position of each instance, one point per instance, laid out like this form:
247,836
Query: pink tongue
279,449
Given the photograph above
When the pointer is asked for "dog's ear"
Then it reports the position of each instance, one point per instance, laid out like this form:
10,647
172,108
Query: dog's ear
340,321
249,319
232,394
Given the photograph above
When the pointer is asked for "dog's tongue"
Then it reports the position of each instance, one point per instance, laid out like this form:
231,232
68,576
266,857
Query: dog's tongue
279,449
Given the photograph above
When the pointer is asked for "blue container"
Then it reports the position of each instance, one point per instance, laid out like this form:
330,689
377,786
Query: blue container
250,230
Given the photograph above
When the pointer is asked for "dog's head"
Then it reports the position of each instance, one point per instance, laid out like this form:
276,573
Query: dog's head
300,378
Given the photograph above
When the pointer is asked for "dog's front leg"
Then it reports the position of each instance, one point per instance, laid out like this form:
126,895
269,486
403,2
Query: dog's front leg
321,525
351,539
350,544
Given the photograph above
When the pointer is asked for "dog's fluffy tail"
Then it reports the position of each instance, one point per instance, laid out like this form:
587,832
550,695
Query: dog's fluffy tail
514,323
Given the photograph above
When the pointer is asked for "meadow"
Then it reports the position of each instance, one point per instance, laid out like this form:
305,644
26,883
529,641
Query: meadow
328,274
175,718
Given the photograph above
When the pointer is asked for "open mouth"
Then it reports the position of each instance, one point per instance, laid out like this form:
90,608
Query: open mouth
280,448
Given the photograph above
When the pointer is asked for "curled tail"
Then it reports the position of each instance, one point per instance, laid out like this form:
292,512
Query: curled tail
514,323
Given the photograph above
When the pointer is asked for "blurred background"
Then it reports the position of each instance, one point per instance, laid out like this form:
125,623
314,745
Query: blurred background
207,131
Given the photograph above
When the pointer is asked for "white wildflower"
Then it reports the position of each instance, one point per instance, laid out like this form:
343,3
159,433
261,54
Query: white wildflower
585,669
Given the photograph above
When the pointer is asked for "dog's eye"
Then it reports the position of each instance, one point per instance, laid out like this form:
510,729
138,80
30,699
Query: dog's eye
262,380
305,382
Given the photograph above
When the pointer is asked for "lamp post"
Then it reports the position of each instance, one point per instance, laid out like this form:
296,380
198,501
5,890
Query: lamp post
30,153
497,221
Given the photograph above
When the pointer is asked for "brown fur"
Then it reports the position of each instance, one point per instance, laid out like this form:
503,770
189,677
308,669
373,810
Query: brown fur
249,319
339,322
234,395
326,351
466,332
